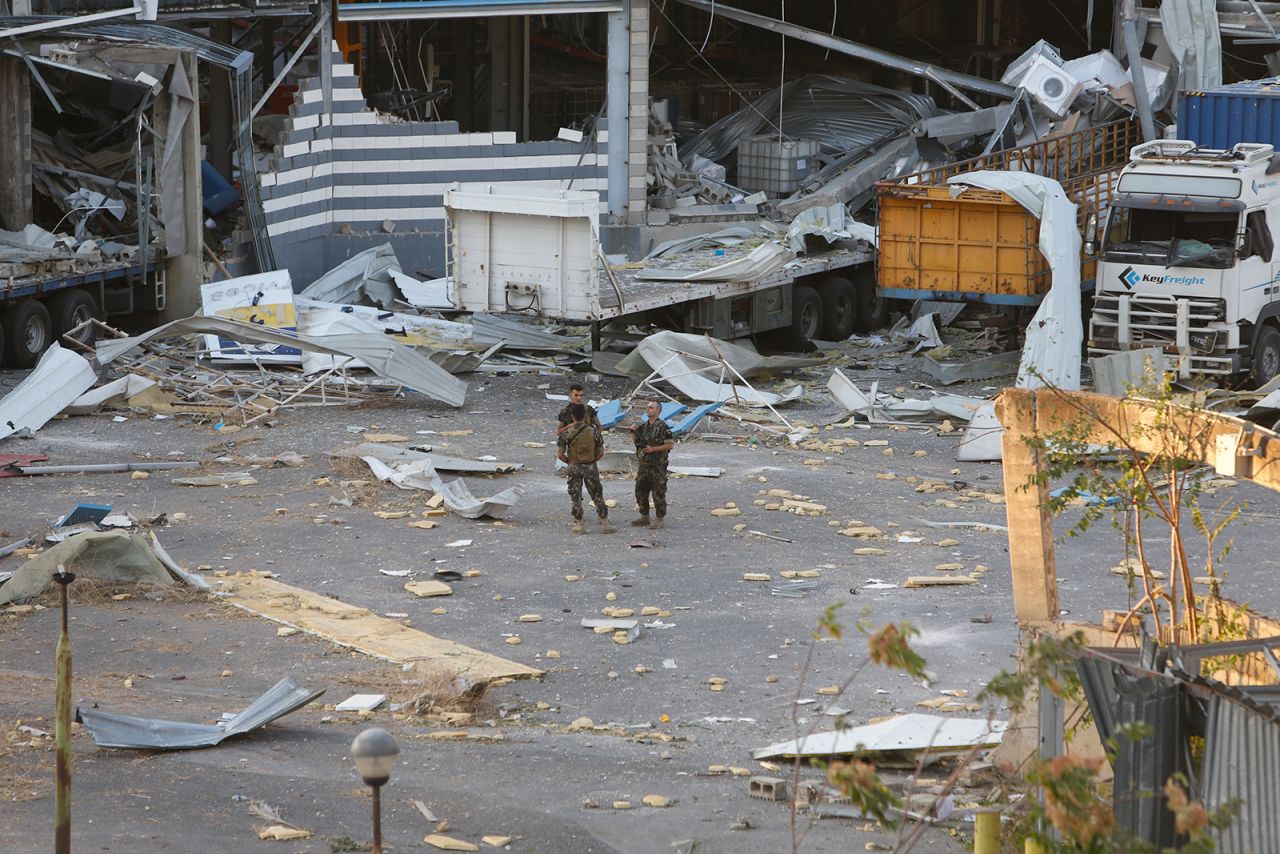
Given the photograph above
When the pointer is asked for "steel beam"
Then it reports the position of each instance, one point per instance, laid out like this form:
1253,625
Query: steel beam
861,51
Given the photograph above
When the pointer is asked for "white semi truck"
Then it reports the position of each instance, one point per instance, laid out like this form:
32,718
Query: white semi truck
1188,260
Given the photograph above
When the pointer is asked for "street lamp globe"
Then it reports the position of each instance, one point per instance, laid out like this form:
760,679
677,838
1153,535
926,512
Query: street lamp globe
375,752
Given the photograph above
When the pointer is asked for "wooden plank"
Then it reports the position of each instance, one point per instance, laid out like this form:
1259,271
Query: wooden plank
938,580
361,630
1031,556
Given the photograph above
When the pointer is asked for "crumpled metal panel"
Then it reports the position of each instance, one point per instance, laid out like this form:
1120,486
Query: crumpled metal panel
126,731
58,379
490,329
1242,760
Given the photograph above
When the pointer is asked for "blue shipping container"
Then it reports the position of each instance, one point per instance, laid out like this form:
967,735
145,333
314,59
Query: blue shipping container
1239,112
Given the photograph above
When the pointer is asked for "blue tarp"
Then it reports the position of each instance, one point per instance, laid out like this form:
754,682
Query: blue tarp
687,423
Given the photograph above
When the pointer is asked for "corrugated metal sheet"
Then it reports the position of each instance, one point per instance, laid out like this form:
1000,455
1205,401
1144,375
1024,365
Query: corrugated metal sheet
127,731
1242,760
1143,766
1099,684
841,114
1241,112
1118,696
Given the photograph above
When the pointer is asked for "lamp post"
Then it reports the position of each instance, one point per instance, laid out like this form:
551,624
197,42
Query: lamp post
62,726
374,752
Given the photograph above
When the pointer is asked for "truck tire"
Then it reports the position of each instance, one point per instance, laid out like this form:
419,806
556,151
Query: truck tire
69,309
806,313
873,309
839,308
29,331
1266,356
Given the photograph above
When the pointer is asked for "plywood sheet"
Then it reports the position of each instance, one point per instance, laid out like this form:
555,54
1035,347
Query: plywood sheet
362,630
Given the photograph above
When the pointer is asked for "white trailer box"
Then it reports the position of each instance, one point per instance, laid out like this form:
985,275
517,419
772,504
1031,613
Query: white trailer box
524,250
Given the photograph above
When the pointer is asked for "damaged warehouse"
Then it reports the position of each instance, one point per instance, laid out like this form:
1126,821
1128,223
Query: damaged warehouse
866,307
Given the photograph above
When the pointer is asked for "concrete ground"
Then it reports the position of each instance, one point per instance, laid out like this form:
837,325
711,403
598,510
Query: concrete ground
523,772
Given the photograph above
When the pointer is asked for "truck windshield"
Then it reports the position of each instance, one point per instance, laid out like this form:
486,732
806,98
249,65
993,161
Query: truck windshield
1171,238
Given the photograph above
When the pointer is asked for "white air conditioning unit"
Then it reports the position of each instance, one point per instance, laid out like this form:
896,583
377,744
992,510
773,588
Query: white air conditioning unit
1053,89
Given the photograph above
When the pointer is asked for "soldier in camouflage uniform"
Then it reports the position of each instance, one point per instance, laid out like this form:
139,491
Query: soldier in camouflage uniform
653,442
564,420
581,446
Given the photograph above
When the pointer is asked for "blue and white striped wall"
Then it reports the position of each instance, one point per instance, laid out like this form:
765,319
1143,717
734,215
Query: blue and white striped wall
336,178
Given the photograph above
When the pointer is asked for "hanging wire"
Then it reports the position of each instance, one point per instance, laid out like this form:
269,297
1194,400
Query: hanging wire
710,23
716,71
835,10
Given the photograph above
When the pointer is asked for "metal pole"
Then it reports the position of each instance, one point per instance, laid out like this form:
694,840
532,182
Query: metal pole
619,91
861,51
62,726
326,61
377,819
1133,51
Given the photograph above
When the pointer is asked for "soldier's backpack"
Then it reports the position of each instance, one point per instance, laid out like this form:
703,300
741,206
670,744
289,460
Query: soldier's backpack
581,447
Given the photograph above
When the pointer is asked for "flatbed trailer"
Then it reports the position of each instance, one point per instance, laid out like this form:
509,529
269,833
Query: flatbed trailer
519,251
42,299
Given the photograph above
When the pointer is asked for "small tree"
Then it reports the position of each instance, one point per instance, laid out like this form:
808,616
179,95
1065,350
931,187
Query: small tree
1104,468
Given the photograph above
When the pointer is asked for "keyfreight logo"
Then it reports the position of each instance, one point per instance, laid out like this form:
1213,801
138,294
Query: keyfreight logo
1259,186
1131,279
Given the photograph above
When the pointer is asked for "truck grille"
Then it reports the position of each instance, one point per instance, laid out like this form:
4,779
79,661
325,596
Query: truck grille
1183,326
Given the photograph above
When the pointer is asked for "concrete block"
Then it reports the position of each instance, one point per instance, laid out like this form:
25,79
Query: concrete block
767,788
504,137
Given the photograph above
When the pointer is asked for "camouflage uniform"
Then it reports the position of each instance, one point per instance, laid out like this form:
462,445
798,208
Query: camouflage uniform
584,474
651,478
565,418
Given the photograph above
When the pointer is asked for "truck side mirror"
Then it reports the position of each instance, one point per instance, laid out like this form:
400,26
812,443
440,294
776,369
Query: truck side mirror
1091,235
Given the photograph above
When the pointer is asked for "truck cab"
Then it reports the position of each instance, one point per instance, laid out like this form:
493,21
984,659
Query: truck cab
1188,261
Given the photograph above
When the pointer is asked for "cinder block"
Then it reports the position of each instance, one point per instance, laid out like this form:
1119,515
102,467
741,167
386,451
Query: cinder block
767,788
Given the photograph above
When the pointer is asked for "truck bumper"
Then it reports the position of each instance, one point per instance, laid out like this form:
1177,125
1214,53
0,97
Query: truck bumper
1193,330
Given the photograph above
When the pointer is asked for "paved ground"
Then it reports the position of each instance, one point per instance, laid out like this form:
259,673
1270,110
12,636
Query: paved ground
525,773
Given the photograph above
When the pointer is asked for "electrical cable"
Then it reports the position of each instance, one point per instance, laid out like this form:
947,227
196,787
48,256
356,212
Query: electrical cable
782,73
835,11
711,22
716,71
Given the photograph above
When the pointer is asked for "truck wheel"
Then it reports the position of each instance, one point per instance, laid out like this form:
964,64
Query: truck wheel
806,313
29,331
839,308
71,308
873,309
1266,356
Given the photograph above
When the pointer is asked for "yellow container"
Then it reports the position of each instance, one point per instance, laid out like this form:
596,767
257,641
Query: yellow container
981,242
982,245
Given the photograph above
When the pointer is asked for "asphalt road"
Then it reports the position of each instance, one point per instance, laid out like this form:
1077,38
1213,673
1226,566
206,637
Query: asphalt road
524,772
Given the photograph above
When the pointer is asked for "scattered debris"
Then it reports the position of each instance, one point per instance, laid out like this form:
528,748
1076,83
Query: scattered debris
428,589
361,703
938,580
903,734
448,843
